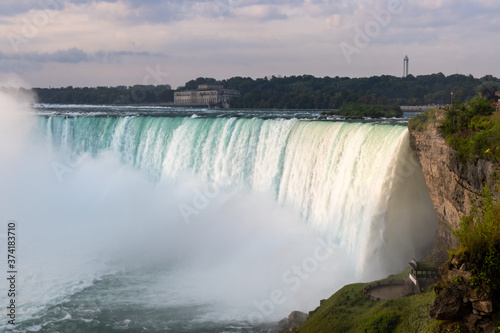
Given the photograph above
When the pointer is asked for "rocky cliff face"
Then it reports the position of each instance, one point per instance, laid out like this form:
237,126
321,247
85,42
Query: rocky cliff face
470,308
451,184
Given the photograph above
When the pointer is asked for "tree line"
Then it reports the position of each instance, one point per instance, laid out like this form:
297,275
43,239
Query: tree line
138,94
296,92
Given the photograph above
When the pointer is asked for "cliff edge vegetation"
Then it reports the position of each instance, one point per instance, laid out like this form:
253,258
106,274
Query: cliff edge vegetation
469,293
458,148
472,129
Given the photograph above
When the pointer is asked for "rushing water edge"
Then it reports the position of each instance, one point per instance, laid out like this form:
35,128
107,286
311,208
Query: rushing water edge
283,181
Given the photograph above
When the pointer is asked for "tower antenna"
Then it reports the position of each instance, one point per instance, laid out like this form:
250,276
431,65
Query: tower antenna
405,66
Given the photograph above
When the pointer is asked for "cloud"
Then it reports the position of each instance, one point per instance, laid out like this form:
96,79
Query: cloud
165,11
74,56
240,37
10,8
425,23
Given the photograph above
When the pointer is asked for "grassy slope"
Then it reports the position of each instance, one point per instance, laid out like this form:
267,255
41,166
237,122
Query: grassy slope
349,310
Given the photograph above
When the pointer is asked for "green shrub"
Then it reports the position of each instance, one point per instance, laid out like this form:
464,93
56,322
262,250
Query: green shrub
472,129
422,120
459,115
479,238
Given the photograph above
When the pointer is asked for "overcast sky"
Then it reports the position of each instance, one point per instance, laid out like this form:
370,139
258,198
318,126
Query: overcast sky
113,42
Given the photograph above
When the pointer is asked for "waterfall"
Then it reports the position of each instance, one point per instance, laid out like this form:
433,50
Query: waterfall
190,223
339,176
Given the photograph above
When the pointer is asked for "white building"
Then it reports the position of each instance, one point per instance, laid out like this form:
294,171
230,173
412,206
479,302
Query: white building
206,95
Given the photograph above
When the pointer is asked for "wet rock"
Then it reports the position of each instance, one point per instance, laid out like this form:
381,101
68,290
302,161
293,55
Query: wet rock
472,320
294,320
448,306
488,327
485,306
297,317
466,267
458,302
455,273
455,262
283,323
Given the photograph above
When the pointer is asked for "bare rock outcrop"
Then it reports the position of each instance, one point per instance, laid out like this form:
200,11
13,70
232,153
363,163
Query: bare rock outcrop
458,301
294,320
452,184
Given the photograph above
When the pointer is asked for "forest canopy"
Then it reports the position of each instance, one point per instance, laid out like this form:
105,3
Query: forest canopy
296,92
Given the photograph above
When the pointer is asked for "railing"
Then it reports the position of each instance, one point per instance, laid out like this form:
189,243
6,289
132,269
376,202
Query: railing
416,283
366,290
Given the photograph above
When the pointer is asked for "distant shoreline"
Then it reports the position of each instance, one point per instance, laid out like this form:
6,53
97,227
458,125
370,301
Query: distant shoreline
405,108
418,108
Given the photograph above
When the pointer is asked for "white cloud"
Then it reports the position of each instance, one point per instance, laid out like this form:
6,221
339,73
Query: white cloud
243,37
259,12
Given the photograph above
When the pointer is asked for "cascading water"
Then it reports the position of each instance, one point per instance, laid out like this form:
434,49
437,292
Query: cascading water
201,224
